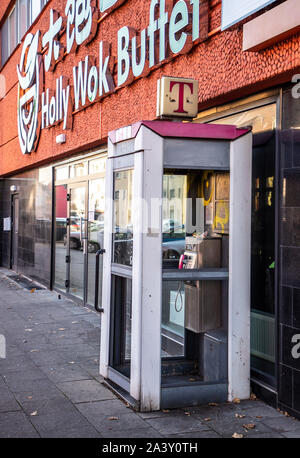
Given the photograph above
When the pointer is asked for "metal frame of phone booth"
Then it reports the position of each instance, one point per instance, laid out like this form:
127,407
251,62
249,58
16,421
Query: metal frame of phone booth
148,148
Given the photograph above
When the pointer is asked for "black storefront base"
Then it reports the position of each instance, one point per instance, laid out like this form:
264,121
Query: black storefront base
264,392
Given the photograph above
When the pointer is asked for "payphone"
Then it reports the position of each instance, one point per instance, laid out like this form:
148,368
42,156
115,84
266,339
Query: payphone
176,268
202,298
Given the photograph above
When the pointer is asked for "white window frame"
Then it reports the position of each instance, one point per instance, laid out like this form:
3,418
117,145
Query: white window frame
14,10
19,38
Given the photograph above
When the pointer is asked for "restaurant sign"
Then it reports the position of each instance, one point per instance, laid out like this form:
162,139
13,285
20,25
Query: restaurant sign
173,29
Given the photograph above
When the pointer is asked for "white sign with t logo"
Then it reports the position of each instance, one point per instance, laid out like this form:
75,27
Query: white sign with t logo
177,97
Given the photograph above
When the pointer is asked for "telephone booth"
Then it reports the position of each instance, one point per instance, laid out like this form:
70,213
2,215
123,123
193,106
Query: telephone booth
175,327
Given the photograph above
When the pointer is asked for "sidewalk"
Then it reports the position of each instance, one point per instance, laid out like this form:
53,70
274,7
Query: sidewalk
50,384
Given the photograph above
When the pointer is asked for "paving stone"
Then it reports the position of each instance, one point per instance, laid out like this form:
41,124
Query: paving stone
16,363
226,423
66,373
24,381
81,351
266,435
291,434
283,424
209,410
261,409
113,408
85,391
260,430
8,402
146,433
49,358
91,365
176,424
40,389
158,414
19,379
205,434
16,425
61,420
102,413
123,423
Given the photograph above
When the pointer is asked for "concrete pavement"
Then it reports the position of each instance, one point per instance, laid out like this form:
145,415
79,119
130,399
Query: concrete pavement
50,384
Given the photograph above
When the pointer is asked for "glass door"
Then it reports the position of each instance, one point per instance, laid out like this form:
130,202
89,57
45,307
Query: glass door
61,235
15,232
195,277
95,236
77,240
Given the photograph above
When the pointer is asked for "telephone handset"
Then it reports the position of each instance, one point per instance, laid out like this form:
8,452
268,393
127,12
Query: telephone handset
188,260
181,262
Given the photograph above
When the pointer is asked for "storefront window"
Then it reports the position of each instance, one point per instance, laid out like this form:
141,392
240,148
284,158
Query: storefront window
263,122
262,119
78,170
61,174
97,166
79,209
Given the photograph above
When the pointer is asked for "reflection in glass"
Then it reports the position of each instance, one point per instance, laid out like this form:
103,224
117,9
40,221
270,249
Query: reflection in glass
77,236
194,203
263,121
122,309
172,332
194,313
122,237
174,216
95,234
78,170
61,173
97,166
13,29
61,212
23,18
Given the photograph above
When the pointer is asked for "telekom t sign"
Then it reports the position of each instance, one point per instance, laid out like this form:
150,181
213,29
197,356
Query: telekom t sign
181,100
177,97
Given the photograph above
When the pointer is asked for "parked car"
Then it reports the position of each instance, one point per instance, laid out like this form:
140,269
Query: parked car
95,239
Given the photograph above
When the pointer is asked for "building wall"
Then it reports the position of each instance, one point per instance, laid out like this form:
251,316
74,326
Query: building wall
289,297
225,72
35,223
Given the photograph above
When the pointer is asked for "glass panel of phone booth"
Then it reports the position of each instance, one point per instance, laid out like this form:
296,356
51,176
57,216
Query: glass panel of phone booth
195,237
122,237
120,351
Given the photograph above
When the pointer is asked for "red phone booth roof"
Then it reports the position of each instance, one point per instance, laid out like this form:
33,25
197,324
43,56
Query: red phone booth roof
171,129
